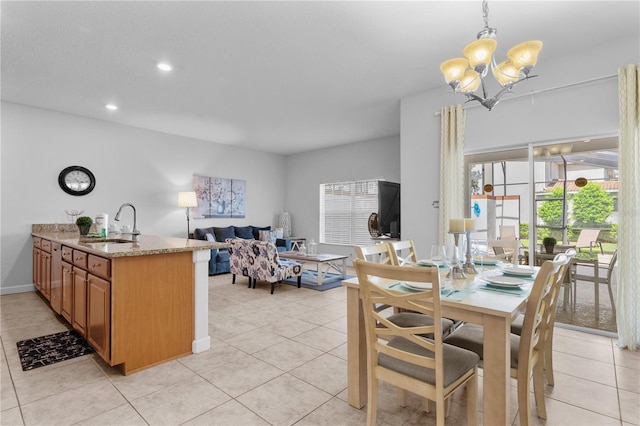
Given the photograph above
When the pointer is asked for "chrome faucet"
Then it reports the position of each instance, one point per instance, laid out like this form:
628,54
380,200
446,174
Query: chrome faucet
135,232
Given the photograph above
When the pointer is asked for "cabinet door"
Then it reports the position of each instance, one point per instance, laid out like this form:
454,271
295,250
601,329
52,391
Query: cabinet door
56,277
67,291
36,268
45,274
79,314
99,316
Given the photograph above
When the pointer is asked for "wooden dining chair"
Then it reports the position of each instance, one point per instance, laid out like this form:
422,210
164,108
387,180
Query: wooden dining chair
378,253
528,349
400,355
508,250
383,254
403,252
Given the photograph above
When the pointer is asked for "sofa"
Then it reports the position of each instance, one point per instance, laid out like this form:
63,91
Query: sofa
219,262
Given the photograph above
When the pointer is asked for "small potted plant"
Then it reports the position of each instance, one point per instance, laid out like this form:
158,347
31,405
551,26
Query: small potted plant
84,223
549,243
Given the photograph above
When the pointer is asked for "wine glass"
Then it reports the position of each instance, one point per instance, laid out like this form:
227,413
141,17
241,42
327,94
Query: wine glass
451,258
480,248
437,255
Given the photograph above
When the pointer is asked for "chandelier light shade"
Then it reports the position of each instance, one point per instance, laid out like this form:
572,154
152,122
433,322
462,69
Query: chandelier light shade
466,75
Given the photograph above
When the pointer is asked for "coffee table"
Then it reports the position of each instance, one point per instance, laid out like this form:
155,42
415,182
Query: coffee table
324,263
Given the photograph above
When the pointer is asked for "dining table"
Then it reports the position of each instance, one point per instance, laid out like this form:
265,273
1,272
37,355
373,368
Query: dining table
470,301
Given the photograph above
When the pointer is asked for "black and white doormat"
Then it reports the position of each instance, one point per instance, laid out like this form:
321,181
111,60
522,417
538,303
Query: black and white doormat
46,350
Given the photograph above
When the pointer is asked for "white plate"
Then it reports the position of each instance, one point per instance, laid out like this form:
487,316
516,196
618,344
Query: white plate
520,271
426,262
505,281
417,286
487,260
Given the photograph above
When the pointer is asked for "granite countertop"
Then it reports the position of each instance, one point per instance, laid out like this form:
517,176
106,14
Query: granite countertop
147,244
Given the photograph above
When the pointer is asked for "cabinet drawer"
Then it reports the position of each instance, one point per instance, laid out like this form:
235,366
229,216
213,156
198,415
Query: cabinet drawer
80,259
37,242
67,254
99,266
46,246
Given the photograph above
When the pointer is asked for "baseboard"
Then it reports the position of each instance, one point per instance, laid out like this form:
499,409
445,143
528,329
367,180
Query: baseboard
17,289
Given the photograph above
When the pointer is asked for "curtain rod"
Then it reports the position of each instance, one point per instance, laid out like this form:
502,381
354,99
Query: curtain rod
551,89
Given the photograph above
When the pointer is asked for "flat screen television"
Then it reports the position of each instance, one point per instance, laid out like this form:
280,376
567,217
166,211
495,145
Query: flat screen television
389,208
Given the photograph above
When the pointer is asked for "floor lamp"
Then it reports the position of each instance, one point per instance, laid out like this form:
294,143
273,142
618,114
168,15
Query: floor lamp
187,199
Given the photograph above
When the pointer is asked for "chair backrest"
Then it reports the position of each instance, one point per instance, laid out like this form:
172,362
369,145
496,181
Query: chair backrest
239,256
265,265
507,232
380,330
403,252
378,253
538,315
587,238
506,249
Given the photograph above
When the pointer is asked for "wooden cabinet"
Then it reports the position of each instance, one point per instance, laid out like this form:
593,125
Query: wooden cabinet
99,315
42,266
79,314
67,291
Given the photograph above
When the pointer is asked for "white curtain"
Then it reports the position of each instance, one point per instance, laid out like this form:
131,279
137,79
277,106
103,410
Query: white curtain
628,298
452,185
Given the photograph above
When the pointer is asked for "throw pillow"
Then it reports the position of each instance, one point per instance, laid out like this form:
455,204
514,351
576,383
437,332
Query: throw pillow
269,236
201,233
244,232
256,231
210,237
223,233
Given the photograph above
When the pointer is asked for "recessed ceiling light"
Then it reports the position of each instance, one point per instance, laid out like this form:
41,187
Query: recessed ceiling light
164,66
111,107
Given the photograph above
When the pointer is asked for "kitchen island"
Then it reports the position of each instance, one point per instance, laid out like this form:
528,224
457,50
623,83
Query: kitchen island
137,303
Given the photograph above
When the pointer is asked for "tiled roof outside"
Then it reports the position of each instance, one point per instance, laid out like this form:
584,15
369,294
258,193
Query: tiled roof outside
608,185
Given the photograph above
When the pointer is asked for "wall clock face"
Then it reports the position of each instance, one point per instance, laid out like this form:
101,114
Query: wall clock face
76,180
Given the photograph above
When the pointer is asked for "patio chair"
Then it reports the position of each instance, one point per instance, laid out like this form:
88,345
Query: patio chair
508,232
588,238
508,250
527,350
607,279
399,355
403,252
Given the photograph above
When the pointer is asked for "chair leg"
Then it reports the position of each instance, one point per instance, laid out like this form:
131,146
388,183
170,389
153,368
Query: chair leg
441,411
523,397
538,389
548,361
372,401
402,397
472,400
613,303
273,286
299,280
251,282
233,278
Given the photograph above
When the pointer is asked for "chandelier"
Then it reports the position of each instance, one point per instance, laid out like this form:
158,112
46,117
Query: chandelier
466,75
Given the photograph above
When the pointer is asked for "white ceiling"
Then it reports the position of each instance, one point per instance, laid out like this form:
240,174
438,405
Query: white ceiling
282,77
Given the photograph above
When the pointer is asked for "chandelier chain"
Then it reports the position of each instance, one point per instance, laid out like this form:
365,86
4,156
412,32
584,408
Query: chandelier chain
485,13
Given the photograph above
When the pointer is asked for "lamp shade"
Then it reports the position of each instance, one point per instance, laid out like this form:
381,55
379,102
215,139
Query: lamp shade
453,69
506,73
480,51
525,54
187,199
470,81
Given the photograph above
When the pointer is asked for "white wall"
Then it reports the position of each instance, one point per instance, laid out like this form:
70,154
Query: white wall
566,114
356,161
133,165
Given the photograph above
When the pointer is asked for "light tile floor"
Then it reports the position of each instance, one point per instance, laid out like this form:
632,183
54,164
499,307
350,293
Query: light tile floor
275,360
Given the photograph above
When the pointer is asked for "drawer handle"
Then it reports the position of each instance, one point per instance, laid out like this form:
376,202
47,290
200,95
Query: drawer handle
96,264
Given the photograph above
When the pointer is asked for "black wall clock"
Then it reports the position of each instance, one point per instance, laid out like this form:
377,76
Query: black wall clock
76,180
